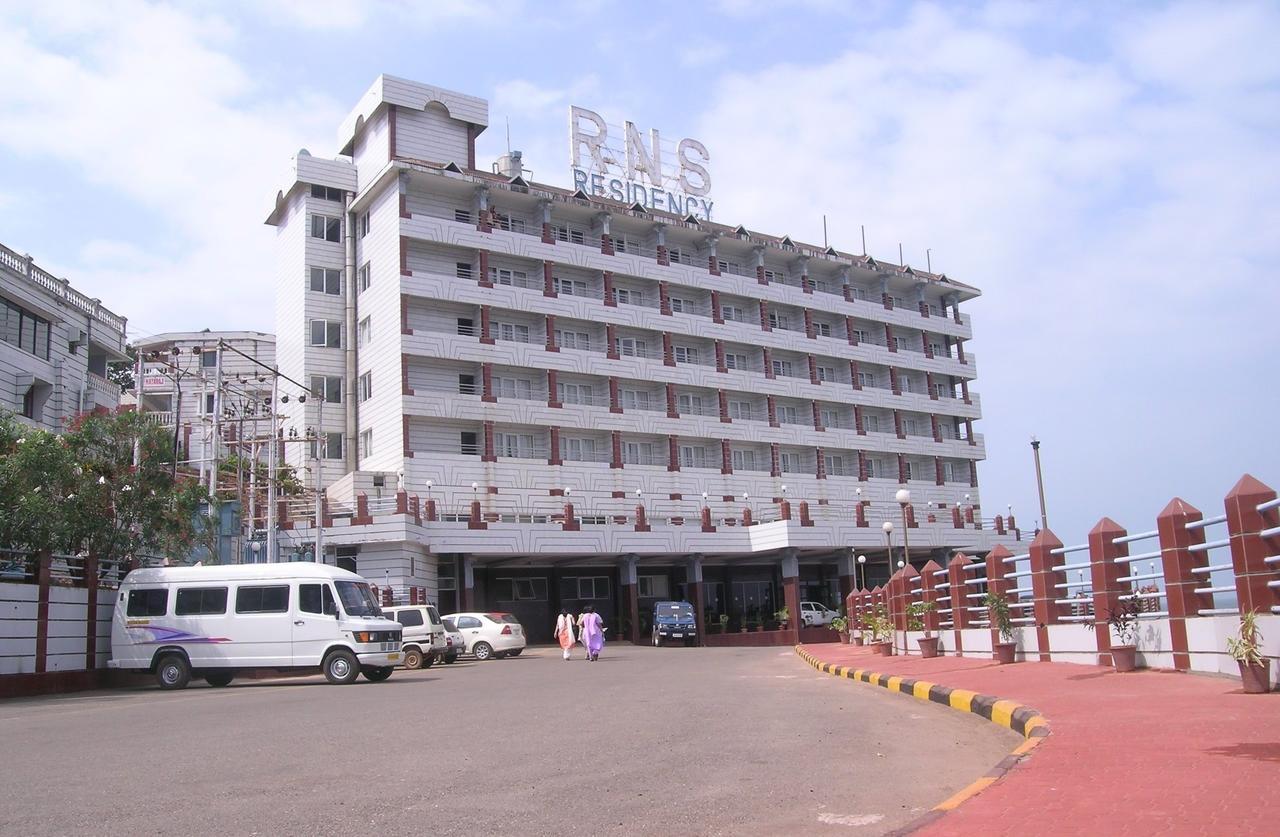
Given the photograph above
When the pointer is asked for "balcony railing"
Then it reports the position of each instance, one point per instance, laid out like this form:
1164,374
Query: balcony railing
61,289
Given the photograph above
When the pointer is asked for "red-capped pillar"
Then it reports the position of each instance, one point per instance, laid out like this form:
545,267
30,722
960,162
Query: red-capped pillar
1044,586
1104,578
957,591
1249,549
998,584
1180,578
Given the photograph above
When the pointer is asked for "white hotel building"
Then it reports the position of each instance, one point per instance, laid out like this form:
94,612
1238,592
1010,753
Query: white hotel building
590,399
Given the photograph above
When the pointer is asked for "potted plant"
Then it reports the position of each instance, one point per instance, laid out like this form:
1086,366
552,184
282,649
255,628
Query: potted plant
783,616
998,609
1123,619
916,612
881,628
840,625
1246,650
724,623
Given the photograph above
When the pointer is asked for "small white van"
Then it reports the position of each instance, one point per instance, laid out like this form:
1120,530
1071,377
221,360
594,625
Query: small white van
216,621
424,639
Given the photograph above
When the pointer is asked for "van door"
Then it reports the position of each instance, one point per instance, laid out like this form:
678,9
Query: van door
263,634
315,623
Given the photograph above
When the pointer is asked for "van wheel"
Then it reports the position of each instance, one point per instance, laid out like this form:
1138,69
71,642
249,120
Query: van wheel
340,667
483,651
219,678
413,658
429,660
173,672
450,659
377,675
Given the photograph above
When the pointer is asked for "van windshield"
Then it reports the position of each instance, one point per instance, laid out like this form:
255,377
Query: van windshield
357,600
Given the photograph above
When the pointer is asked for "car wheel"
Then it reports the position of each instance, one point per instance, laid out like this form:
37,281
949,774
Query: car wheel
429,660
450,659
515,653
173,672
219,678
376,674
413,658
341,668
482,651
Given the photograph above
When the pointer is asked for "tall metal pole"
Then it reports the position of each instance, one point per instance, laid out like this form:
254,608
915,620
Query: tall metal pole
906,546
1044,516
214,451
320,441
272,446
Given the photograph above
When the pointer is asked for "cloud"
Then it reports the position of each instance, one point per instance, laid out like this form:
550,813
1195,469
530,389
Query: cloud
1118,210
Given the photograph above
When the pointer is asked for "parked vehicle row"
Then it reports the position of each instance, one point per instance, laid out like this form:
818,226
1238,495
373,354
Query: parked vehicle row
218,622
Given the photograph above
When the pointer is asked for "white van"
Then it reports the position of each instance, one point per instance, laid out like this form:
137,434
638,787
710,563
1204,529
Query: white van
424,640
216,621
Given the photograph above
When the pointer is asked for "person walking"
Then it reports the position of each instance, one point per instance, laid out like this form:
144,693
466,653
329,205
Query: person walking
564,632
592,632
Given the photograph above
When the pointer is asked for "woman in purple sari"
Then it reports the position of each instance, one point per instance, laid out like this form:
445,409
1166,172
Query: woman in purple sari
592,632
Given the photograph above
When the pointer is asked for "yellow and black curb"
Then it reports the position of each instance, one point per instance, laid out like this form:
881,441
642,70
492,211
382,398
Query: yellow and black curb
1024,720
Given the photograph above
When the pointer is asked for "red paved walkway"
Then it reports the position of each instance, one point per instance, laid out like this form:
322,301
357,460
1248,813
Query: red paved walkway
1152,752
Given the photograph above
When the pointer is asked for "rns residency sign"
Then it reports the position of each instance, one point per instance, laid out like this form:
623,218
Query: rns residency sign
634,172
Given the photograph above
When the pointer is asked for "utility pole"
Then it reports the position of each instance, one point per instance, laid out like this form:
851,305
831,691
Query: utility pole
271,466
320,442
1044,517
217,422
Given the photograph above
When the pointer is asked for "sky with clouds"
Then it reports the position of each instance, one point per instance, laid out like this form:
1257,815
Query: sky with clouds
1107,173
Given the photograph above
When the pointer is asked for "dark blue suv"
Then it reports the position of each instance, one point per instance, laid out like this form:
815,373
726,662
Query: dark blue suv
674,621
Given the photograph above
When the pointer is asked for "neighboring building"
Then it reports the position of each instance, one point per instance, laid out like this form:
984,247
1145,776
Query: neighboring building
55,344
506,348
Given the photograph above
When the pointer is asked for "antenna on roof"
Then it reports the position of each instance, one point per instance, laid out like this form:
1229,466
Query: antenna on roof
508,134
825,245
900,261
864,239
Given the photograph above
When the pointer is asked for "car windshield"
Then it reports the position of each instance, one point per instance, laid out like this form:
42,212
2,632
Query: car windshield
674,610
434,614
449,626
357,599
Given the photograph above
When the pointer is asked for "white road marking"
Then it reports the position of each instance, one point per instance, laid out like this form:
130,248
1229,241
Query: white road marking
850,819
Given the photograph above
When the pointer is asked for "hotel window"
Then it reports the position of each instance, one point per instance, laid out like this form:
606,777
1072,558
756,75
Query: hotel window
364,332
789,463
515,445
365,385
679,305
871,424
566,234
677,256
866,380
19,327
363,278
904,383
512,332
728,267
732,312
326,228
689,404
822,329
503,276
466,384
782,369
366,444
467,444
934,311
787,414
364,225
634,399
574,393
936,350
909,475
835,466
779,321
830,418
630,347
578,450
860,336
209,359
326,281
625,296
568,287
506,222
331,446
692,457
826,373
208,404
573,340
653,587
466,326
326,193
462,216
898,302
735,361
858,293
637,453
901,344
744,460
949,472
740,410
328,387
909,426
521,388
686,354
463,270
326,333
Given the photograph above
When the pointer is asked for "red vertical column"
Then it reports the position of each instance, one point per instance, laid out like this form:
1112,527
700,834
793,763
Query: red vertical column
554,458
720,364
1179,564
821,468
611,341
91,612
672,411
723,398
489,455
862,472
957,590
1044,585
924,341
764,316
664,299
857,420
775,460
1249,549
937,471
486,383
1104,577
897,424
726,457
997,584
889,342
717,313
486,336
771,404
553,389
808,325
484,280
813,371
893,381
610,299
673,453
548,281
668,351
615,403
928,383
768,362
615,458
817,416
552,346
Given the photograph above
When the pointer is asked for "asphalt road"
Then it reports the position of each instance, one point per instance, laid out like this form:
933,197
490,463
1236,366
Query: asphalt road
646,741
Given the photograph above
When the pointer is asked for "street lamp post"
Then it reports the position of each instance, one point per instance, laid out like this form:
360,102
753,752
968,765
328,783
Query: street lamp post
862,565
887,528
1044,516
904,499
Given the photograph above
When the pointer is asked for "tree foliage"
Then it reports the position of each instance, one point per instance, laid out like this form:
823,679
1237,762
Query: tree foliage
122,372
79,492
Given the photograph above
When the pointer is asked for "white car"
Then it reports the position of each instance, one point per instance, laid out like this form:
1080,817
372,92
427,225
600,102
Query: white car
815,615
490,636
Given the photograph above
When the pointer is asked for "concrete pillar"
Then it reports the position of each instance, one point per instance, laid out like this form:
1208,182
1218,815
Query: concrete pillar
958,590
1044,581
610,300
693,581
468,579
1104,575
1249,549
791,589
630,596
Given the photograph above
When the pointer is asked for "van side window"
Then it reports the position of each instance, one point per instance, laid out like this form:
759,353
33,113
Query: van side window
262,599
409,618
316,598
200,601
433,614
148,602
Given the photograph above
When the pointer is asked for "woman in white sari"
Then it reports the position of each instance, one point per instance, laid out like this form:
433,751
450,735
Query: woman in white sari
564,632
